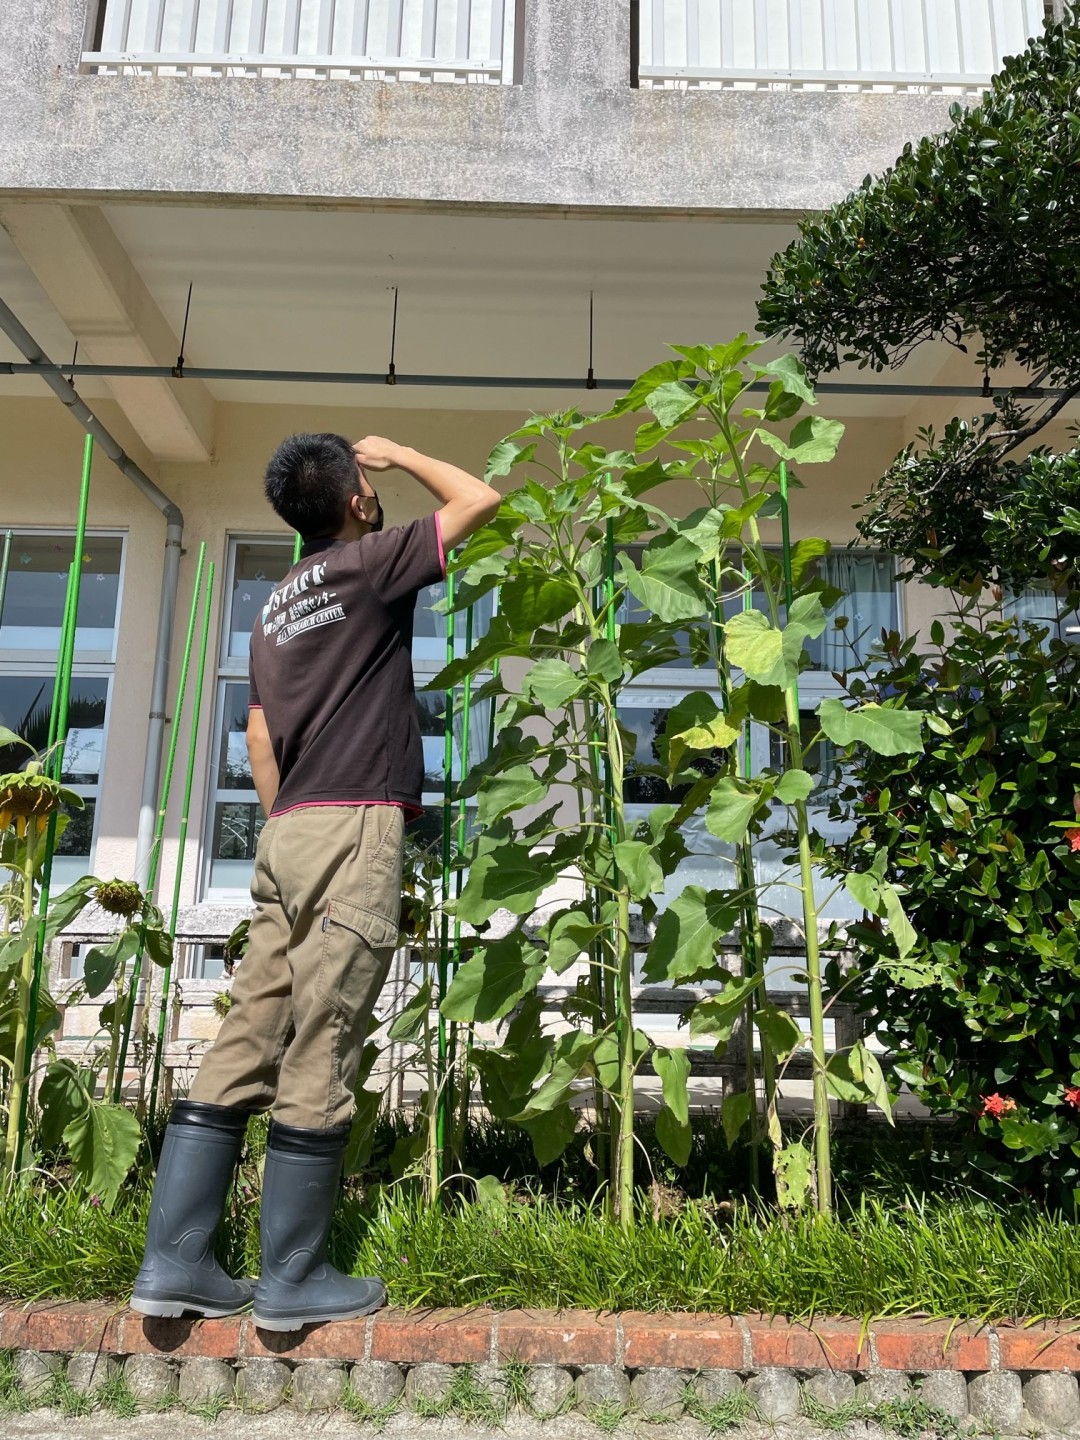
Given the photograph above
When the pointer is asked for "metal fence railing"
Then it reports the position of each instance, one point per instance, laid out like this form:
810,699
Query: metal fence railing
450,40
948,45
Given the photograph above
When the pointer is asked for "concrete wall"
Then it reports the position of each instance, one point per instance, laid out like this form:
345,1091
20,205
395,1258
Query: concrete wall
572,136
39,470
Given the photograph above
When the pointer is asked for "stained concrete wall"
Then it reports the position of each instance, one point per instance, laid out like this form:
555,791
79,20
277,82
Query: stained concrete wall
574,135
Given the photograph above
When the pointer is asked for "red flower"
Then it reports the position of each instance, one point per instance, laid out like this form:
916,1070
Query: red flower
997,1105
1073,837
1072,1096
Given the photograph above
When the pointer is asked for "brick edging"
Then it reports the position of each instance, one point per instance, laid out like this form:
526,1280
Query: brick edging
570,1338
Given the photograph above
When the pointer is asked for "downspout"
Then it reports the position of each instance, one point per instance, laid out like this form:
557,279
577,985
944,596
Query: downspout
17,333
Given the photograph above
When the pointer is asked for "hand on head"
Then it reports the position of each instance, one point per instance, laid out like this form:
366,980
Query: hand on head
375,453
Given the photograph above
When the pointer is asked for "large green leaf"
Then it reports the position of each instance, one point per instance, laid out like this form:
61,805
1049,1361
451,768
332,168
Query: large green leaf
673,1068
813,441
9,737
63,1097
790,372
793,785
103,1142
716,1016
507,454
667,583
639,867
408,1025
735,1111
697,725
488,986
778,1029
508,790
510,878
761,651
573,1053
676,1139
856,1076
104,962
553,683
362,1131
551,1132
672,403
732,806
569,936
688,933
534,598
69,905
885,731
604,661
900,927
792,1169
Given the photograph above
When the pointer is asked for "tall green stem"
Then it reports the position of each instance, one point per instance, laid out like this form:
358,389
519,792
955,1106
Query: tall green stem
181,844
19,1076
796,759
159,833
445,1096
58,719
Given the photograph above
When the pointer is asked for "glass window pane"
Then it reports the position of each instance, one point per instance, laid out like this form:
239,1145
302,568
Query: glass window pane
234,767
37,583
431,710
25,707
259,565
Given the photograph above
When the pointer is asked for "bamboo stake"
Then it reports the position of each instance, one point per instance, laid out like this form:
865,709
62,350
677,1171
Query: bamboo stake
55,767
159,831
189,777
466,706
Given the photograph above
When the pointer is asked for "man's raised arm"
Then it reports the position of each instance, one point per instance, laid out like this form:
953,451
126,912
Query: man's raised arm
466,502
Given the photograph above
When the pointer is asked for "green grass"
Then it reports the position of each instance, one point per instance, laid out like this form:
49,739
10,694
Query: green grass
907,1419
726,1413
946,1258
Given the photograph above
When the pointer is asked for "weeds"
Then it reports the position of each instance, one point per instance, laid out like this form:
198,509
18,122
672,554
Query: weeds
376,1416
607,1416
468,1399
725,1413
12,1399
906,1419
116,1398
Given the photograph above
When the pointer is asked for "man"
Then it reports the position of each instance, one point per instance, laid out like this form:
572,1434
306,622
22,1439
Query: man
337,760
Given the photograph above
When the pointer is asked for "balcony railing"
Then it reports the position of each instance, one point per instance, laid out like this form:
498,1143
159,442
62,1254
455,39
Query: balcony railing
449,40
939,45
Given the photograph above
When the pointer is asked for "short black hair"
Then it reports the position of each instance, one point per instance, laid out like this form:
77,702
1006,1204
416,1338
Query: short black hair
310,480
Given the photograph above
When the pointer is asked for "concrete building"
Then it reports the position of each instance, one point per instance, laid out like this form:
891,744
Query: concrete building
428,191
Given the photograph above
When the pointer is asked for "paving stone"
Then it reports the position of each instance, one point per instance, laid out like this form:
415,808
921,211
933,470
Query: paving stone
659,1394
149,1378
1053,1399
550,1389
377,1383
261,1384
831,1388
602,1387
205,1379
945,1390
36,1372
492,1380
775,1393
428,1384
318,1385
997,1399
881,1387
712,1386
89,1372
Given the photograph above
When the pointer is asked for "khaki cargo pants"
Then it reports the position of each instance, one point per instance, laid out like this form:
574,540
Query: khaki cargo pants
327,891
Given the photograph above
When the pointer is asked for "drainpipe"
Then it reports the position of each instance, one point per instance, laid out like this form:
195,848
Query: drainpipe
14,329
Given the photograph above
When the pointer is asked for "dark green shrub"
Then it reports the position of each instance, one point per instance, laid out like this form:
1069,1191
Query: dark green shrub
981,834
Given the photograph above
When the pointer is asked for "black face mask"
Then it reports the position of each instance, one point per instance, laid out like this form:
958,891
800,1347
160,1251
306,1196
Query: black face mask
379,517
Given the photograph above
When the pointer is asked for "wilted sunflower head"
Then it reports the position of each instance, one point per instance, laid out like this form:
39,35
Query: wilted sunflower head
119,897
28,794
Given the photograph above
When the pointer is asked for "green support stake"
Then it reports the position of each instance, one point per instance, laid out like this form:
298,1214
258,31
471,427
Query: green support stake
189,778
159,831
446,1099
298,545
466,706
57,737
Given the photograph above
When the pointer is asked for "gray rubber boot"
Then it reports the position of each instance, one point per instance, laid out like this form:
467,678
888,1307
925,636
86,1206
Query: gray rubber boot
298,1285
179,1272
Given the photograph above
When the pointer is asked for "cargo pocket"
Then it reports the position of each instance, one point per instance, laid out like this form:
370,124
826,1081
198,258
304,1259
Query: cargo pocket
357,943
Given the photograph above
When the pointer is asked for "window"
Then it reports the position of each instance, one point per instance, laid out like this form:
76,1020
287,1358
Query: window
255,566
1041,605
29,640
